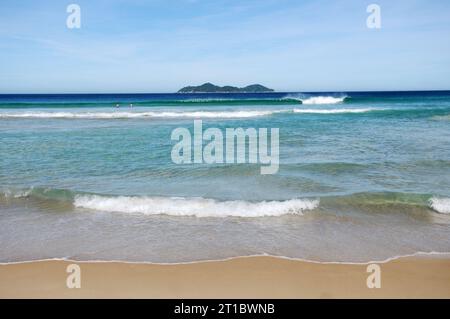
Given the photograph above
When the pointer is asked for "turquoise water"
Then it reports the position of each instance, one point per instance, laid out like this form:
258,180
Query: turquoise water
362,176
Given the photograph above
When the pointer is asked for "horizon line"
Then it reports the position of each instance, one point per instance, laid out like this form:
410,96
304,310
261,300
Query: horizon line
187,93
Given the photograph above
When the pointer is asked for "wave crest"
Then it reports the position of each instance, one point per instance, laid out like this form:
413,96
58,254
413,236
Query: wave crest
323,100
440,205
334,111
316,100
125,115
199,207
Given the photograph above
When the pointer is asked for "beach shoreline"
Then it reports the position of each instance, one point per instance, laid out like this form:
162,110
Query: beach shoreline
242,277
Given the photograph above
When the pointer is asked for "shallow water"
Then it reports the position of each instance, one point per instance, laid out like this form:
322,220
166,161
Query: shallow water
363,176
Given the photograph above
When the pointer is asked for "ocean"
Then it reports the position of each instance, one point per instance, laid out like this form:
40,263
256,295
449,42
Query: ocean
363,176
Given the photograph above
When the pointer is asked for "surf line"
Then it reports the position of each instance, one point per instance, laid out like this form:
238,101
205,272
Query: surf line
236,146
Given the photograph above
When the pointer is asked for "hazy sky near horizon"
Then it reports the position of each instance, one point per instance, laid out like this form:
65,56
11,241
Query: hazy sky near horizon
160,46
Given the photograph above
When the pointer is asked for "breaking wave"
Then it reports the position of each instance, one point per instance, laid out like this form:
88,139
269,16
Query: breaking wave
133,115
440,205
323,100
316,100
205,207
199,207
193,114
336,111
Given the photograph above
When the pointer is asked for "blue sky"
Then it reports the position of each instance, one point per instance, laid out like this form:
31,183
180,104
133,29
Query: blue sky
160,46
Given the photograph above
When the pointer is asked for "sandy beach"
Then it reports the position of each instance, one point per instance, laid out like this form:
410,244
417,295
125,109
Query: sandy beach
249,277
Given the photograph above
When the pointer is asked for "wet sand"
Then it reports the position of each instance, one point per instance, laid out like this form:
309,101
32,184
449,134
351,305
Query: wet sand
248,277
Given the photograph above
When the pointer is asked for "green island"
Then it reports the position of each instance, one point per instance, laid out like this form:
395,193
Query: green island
211,88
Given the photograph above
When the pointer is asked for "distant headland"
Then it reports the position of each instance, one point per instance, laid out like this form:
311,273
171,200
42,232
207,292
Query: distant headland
211,88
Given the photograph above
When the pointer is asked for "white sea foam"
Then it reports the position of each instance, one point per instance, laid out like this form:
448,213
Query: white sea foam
334,111
8,193
124,115
315,99
323,100
440,204
199,207
175,114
